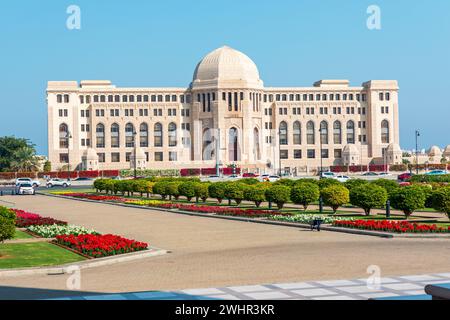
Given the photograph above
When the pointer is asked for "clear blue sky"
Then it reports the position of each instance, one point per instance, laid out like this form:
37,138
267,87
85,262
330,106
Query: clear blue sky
294,43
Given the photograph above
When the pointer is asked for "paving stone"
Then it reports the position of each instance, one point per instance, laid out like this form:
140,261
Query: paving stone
267,295
297,285
403,286
378,295
358,289
334,298
314,292
195,292
243,289
336,283
420,278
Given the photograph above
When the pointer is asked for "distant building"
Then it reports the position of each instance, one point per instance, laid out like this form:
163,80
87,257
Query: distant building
258,127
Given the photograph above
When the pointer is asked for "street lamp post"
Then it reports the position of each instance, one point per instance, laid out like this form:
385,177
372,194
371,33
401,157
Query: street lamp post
320,152
279,152
417,151
68,136
135,160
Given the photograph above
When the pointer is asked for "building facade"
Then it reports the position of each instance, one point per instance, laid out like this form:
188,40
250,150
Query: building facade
226,116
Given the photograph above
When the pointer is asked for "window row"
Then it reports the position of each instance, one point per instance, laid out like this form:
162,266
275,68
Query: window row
135,98
310,154
158,112
315,97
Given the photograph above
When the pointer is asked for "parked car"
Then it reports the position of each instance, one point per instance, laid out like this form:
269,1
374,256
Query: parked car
83,179
342,178
330,175
25,188
384,174
404,176
116,178
370,174
56,182
34,183
404,184
436,172
273,178
249,175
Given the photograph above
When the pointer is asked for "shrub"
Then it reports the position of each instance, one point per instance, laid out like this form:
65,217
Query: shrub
305,193
110,186
255,193
335,196
234,191
325,183
353,183
172,189
408,199
217,190
100,184
306,180
7,224
278,194
201,191
441,200
249,181
285,182
390,186
368,196
160,188
187,190
430,178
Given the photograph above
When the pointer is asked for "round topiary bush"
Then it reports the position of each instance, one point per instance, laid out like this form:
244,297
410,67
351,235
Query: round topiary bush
100,185
201,191
186,189
278,194
160,188
7,224
305,193
256,194
172,189
408,199
325,183
354,183
368,196
441,200
217,190
234,191
390,186
335,196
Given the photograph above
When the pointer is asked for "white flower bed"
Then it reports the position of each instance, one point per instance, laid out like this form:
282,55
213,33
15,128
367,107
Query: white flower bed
51,231
308,218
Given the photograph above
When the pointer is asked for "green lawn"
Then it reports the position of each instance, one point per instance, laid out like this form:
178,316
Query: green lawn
25,255
21,235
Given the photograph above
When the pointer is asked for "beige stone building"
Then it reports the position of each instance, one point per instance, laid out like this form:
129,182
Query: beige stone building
226,116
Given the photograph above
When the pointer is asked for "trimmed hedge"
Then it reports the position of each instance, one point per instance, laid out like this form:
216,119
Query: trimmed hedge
305,193
7,224
335,196
279,194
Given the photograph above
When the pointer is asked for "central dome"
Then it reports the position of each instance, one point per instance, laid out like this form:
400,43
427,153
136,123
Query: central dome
226,67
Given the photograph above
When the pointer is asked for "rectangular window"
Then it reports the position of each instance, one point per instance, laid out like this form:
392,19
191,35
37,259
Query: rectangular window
283,154
311,154
101,157
297,154
172,156
115,157
128,156
325,154
159,156
338,153
63,158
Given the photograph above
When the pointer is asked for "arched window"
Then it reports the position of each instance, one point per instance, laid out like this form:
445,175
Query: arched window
233,145
385,131
337,132
310,134
351,132
100,135
256,149
115,136
297,132
172,134
129,135
157,135
324,132
283,133
63,136
208,147
143,135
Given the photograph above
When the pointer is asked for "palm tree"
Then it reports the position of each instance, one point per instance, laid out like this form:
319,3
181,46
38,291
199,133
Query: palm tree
25,160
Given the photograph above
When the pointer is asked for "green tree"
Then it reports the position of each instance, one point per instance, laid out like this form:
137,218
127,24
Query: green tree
9,147
216,190
278,194
368,196
25,160
408,199
353,183
234,191
256,194
335,196
47,166
7,224
186,189
441,200
390,186
305,193
160,188
325,183
172,189
201,191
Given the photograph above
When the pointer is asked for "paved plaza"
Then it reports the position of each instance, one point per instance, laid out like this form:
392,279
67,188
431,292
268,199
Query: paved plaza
222,254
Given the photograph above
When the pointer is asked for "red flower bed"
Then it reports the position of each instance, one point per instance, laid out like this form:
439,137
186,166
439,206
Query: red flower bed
94,197
391,226
218,210
25,219
97,246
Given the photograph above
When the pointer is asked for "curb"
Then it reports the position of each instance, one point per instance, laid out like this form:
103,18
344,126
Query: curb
379,234
70,268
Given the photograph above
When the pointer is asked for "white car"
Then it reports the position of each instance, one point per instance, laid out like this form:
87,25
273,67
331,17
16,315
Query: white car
273,178
34,183
25,188
330,175
56,182
342,178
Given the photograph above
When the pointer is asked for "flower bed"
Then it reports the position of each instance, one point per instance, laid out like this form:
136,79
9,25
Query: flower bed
307,218
94,197
391,226
150,203
51,231
25,219
97,246
219,210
